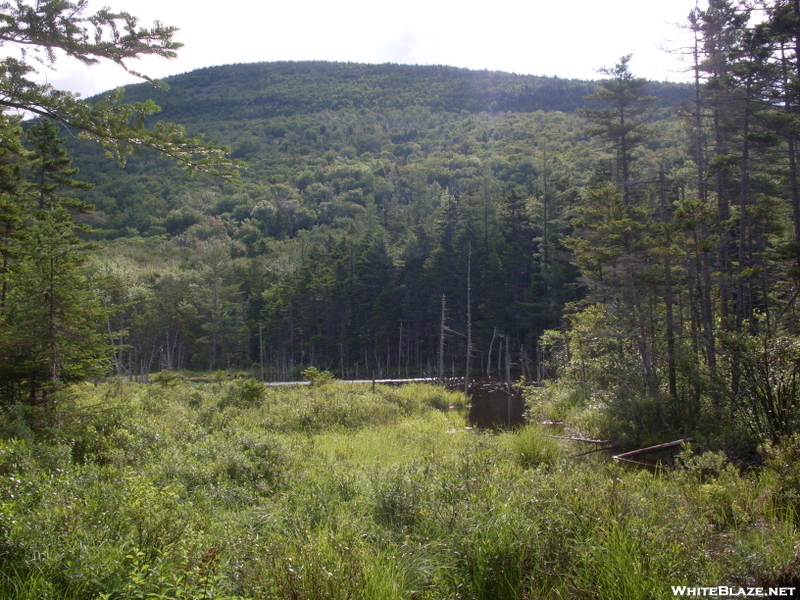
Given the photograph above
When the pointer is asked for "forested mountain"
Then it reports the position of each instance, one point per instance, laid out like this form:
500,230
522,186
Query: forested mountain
636,240
634,245
370,193
264,90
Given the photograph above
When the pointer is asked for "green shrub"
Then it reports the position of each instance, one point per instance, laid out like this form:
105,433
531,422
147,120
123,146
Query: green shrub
243,393
259,460
316,377
338,405
398,500
338,492
498,559
163,577
417,397
615,565
324,565
166,378
783,474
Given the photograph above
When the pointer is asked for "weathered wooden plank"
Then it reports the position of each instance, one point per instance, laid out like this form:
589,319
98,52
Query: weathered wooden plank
649,449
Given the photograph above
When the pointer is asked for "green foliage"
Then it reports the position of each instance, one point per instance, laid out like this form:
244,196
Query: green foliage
336,252
244,392
316,377
166,378
52,167
183,498
652,237
51,318
157,579
53,27
689,323
782,460
398,502
333,406
373,190
533,448
767,366
414,397
614,565
50,313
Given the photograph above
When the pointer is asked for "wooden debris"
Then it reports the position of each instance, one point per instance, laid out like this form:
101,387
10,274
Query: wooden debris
649,465
626,455
577,439
606,444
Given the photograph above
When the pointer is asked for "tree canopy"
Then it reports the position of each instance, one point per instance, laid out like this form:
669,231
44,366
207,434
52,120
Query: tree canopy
43,30
51,319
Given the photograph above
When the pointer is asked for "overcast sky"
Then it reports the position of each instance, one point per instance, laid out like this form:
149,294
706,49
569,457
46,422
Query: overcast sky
569,39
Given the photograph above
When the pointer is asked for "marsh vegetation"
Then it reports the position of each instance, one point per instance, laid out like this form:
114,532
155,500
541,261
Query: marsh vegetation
229,489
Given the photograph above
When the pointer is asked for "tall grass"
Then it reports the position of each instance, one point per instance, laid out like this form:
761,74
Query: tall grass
532,447
334,492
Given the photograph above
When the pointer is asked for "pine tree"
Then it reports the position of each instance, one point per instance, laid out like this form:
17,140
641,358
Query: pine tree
621,122
51,328
12,161
51,168
50,334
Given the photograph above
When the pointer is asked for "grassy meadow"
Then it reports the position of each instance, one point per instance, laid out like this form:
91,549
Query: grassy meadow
225,490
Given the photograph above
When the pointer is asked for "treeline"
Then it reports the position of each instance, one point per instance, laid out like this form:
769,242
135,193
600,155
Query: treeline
692,270
349,230
337,246
669,234
349,227
343,263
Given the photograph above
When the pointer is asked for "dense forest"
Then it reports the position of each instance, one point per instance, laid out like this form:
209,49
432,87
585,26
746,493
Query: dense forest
635,242
369,194
631,247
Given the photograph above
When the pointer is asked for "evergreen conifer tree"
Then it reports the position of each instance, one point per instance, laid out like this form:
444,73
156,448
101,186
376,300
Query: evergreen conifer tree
49,314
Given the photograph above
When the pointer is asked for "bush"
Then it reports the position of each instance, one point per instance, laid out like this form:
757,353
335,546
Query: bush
165,378
316,377
337,492
533,448
161,578
783,474
337,405
243,393
417,397
398,500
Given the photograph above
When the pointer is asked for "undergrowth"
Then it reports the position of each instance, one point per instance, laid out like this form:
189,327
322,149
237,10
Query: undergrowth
230,490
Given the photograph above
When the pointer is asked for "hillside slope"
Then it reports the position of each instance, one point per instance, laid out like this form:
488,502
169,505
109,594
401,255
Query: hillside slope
370,192
263,90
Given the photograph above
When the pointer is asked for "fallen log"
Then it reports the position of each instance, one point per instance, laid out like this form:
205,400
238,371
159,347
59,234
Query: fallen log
649,449
577,439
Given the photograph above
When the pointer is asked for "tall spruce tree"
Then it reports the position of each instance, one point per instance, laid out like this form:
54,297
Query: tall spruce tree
621,120
51,322
616,240
51,328
51,168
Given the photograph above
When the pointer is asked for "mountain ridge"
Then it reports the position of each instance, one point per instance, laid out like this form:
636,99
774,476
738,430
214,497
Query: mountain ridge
286,88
